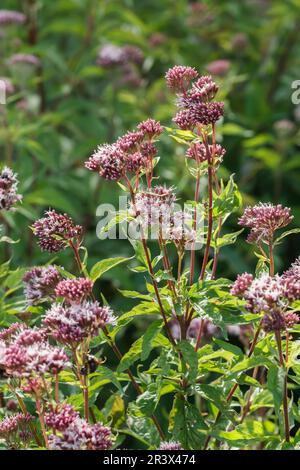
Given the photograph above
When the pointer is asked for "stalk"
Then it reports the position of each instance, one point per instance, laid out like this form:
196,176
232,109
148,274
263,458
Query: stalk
115,348
24,411
151,272
285,394
193,252
41,418
235,386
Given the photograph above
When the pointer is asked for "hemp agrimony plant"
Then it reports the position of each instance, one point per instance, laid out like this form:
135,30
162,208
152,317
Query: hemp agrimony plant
217,364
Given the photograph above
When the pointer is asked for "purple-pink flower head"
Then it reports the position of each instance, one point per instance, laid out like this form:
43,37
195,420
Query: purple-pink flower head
198,152
61,417
28,59
8,189
263,220
218,67
150,128
72,323
242,284
135,162
7,84
108,160
55,230
171,445
13,426
74,290
204,113
153,204
80,435
204,89
179,78
28,354
40,283
130,141
11,17
185,120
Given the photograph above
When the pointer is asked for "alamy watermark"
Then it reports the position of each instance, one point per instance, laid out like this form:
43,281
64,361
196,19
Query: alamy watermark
2,92
184,226
296,94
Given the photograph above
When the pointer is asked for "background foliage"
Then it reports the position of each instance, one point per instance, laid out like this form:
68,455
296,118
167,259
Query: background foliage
64,108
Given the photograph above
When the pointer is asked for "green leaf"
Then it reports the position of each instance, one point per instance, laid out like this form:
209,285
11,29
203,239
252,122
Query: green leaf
286,234
148,338
186,424
136,348
105,265
190,358
147,401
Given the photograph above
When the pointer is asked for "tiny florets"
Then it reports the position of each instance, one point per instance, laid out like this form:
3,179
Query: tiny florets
171,445
11,17
150,128
108,160
204,89
263,220
8,189
74,290
55,230
242,284
28,59
198,152
61,416
72,323
80,435
179,77
39,283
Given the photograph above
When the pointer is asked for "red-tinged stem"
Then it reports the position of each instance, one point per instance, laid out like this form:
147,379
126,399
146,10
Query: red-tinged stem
210,211
285,394
193,251
235,386
76,255
199,335
41,418
86,398
150,268
271,259
56,389
24,411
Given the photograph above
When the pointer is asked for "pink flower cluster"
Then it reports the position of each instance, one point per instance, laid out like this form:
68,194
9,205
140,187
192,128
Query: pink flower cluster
8,189
61,416
263,220
76,433
194,99
271,296
25,352
55,230
111,55
72,323
14,428
28,59
198,152
40,284
131,153
74,290
171,445
154,204
11,17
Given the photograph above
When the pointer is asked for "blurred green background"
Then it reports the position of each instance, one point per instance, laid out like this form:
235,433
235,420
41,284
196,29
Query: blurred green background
82,95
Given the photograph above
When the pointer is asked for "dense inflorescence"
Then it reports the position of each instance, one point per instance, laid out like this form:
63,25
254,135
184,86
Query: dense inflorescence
55,230
263,220
8,189
40,283
27,353
74,290
72,323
